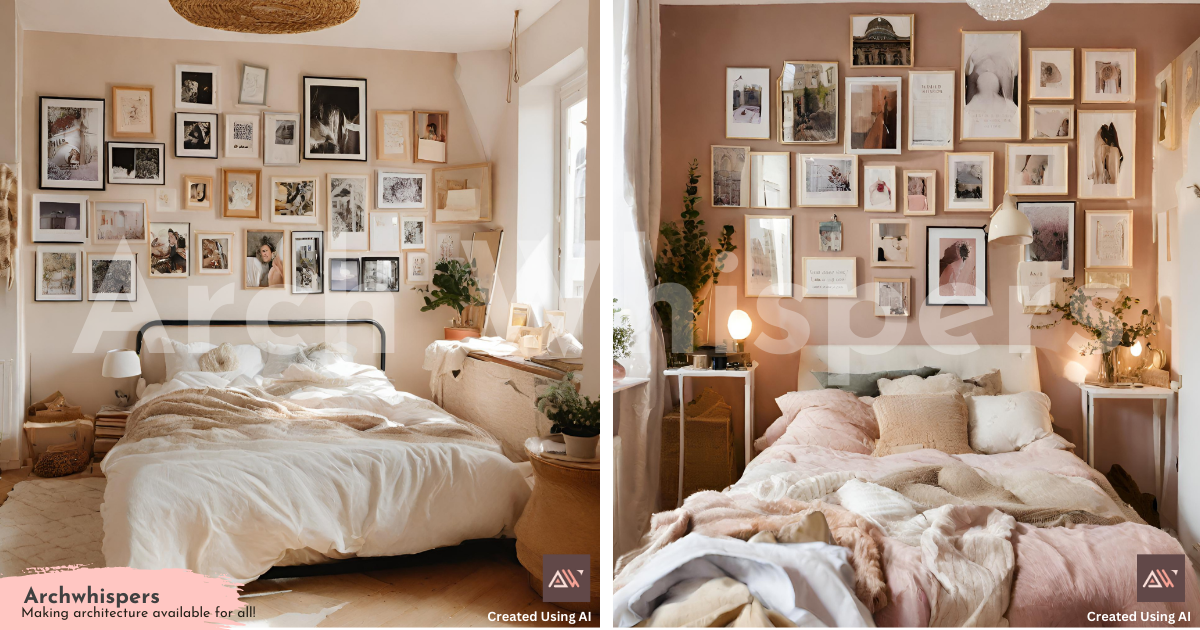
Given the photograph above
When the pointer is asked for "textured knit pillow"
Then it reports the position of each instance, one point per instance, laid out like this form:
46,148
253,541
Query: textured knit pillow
944,383
219,359
908,423
866,384
990,383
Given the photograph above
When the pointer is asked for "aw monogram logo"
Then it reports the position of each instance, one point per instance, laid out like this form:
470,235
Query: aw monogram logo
1160,577
566,578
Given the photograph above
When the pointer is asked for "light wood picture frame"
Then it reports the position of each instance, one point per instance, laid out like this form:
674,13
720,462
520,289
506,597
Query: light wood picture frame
816,126
1108,75
1167,106
58,273
870,130
987,111
166,239
1036,169
462,194
890,243
920,192
771,180
1051,122
115,220
882,40
729,176
1051,74
1108,238
132,111
879,188
826,180
393,136
431,136
770,241
931,102
241,193
893,297
969,181
198,192
214,252
1108,171
830,277
257,272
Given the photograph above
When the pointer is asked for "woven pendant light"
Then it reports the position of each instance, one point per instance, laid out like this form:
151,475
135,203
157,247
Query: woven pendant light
272,17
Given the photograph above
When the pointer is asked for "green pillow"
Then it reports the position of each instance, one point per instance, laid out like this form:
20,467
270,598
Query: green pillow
866,384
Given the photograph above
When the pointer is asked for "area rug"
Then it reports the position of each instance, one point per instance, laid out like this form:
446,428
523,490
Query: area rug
52,523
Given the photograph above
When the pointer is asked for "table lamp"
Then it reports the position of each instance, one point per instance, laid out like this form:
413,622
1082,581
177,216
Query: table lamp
1008,225
121,364
739,329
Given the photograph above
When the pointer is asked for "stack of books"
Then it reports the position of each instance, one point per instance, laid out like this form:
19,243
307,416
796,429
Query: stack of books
110,427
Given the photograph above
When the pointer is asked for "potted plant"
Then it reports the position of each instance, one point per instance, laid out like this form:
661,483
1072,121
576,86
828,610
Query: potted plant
689,260
622,340
455,286
1104,320
576,417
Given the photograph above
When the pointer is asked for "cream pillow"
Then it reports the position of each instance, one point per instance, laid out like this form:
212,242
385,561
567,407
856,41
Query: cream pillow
183,357
916,421
1002,424
944,383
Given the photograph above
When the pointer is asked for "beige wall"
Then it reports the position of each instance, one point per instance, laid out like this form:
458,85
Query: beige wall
698,42
10,299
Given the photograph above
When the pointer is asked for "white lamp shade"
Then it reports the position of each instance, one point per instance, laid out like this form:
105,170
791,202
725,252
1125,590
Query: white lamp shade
1009,226
121,364
739,325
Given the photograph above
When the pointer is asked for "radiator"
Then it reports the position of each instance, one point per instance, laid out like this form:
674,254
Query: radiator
8,399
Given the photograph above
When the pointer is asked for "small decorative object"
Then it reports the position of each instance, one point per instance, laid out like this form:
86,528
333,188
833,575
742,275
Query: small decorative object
920,198
931,110
990,105
265,268
1003,10
254,86
348,198
747,103
830,277
1051,122
557,320
1109,238
518,318
462,194
215,251
58,273
169,249
1109,75
1104,321
881,40
446,245
417,268
334,111
808,102
1036,169
622,332
412,232
891,241
454,286
380,273
196,87
121,364
112,277
137,163
769,262
1107,154
241,186
873,121
700,361
308,260
576,417
300,16
400,190
720,362
829,234
879,190
771,180
892,297
393,136
60,218
116,221
71,143
1053,225
133,112
241,135
432,133
956,265
1051,74
385,232
344,274
294,199
730,173
968,182
826,180
166,199
195,135
1168,105
281,139
198,192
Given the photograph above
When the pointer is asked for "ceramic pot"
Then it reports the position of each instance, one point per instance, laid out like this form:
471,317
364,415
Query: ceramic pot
582,447
618,371
457,334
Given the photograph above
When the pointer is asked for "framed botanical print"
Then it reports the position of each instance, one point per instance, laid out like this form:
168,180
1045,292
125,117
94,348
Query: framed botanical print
769,246
1051,74
116,221
417,268
808,102
445,245
1164,128
920,193
397,189
1053,225
990,106
214,253
771,179
1107,154
1036,169
431,131
335,119
265,265
195,135
1109,238
254,85
295,199
879,188
1109,75
380,273
826,180
969,182
393,136
112,277
241,135
198,192
133,112
344,275
58,272
169,249
891,242
830,277
348,199
308,261
873,122
1051,122
137,163
893,297
60,218
931,110
730,175
956,265
747,103
385,231
413,231
281,139
462,194
881,40
196,87
71,143
241,192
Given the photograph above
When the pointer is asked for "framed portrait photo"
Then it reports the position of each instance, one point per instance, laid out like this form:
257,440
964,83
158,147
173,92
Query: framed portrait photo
137,163
730,174
241,192
1051,74
1053,234
771,179
809,99
265,265
881,40
393,136
920,193
893,297
254,85
931,110
71,143
1036,169
768,266
432,133
308,261
198,192
295,199
241,135
214,253
348,198
826,180
830,277
1109,238
879,188
1108,75
873,121
58,272
969,182
1107,154
462,194
380,274
397,189
169,249
335,119
344,275
747,103
1051,122
60,218
418,268
112,277
281,139
195,135
891,242
133,112
956,265
990,107
196,87
116,221
385,232
413,232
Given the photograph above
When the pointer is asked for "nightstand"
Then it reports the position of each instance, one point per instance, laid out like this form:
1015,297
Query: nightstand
748,438
1164,410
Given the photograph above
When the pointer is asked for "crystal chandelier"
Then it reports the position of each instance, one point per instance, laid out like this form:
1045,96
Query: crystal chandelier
1003,10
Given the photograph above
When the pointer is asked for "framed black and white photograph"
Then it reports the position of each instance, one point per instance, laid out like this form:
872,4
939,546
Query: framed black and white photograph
385,232
730,176
769,240
281,139
462,194
990,106
59,274
196,87
348,198
920,193
893,297
418,268
413,231
137,163
254,85
771,179
969,182
195,135
432,133
809,99
393,136
198,192
830,277
956,265
71,143
397,189
1053,234
214,253
344,275
891,242
873,115
931,110
166,200
1036,169
1108,75
1051,122
445,245
1107,155
112,277
265,264
335,119
1051,74
380,273
169,249
881,40
116,221
1109,238
132,112
60,218
294,199
826,180
308,261
879,188
241,135
747,103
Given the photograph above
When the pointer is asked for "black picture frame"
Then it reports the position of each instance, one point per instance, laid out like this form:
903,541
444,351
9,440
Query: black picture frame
162,163
216,135
337,153
931,278
362,274
44,182
353,263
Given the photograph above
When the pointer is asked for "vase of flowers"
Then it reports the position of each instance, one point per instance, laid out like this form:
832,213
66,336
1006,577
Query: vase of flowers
576,417
1104,321
622,340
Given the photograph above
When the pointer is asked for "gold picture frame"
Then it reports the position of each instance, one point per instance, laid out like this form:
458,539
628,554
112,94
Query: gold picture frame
200,236
442,182
1018,130
1033,119
196,202
835,97
1087,93
1034,75
280,249
241,174
906,298
132,115
385,135
912,37
1016,189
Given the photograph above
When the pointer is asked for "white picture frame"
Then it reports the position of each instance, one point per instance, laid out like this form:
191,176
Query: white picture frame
445,245
253,87
414,232
59,218
770,241
1051,74
771,179
870,132
121,287
830,277
56,168
241,135
402,190
1108,75
730,174
931,98
197,87
988,108
1108,235
879,188
748,103
891,243
826,179
1036,169
963,192
794,82
295,199
418,268
1110,173
385,231
955,265
58,274
281,132
348,198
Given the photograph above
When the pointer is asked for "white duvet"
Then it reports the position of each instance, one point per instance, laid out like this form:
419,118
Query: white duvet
238,509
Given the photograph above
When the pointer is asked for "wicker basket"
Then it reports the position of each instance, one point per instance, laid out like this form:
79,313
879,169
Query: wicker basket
710,461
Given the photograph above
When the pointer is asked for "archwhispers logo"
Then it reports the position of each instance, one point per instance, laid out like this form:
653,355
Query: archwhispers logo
566,578
1160,577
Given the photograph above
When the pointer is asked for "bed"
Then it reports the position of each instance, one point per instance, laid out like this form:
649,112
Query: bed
231,472
1058,548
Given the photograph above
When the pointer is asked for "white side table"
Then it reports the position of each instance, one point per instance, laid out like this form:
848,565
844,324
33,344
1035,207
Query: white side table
1164,409
691,372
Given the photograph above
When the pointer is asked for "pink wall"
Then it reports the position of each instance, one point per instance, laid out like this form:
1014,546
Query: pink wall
698,42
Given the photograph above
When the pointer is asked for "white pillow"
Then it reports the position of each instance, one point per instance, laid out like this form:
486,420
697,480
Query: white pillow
333,353
1001,424
183,357
250,359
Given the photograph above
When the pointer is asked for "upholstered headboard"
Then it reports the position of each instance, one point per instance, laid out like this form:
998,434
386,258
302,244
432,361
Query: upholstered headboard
1018,364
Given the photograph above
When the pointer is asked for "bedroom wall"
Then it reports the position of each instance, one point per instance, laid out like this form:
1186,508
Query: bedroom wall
11,402
699,42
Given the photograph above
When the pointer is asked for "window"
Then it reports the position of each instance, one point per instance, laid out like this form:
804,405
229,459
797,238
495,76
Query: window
572,191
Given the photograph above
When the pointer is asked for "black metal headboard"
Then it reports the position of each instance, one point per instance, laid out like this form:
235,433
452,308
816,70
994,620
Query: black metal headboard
267,322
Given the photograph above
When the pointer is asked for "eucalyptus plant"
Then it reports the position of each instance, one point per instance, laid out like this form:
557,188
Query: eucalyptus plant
1103,319
455,286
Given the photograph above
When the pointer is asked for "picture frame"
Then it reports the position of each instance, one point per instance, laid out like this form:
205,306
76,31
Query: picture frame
259,272
166,239
891,243
463,194
414,232
920,192
1052,122
557,320
241,135
1036,169
349,196
519,316
113,221
166,199
1108,237
882,40
879,188
214,253
969,182
196,135
829,235
956,265
815,88
308,262
393,136
893,297
1053,224
196,87
431,136
385,231
58,274
337,107
730,171
869,129
826,179
987,111
1106,279
931,99
771,179
747,103
112,277
295,199
1168,106
241,193
445,245
70,132
281,138
1051,74
137,163
417,268
1108,171
380,274
253,90
1108,75
400,189
198,192
132,112
769,245
830,277
59,218
344,275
